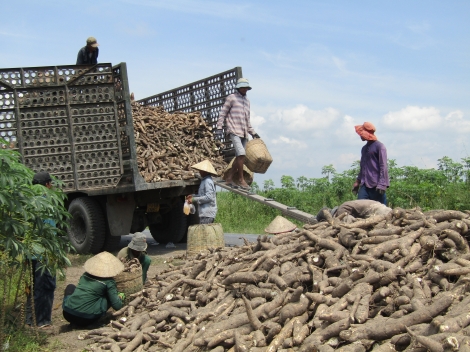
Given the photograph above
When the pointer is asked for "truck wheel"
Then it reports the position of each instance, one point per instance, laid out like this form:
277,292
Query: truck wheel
86,231
173,226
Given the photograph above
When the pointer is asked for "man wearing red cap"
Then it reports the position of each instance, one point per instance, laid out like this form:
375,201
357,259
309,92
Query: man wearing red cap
372,181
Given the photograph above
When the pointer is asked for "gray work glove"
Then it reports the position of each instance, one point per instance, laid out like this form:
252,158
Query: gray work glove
218,134
256,135
381,191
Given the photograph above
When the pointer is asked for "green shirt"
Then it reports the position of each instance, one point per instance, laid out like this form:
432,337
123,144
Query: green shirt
92,297
144,260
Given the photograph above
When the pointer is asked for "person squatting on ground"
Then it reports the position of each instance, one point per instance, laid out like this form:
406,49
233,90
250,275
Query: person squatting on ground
96,291
372,181
136,249
44,283
206,196
361,208
88,55
235,113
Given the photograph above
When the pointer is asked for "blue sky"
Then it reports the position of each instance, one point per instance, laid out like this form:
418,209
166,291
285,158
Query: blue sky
317,67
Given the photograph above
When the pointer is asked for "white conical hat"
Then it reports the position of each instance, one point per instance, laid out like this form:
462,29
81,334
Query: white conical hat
103,265
205,166
280,225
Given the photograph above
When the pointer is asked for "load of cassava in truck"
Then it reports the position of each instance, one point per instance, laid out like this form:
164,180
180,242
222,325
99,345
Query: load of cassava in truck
76,122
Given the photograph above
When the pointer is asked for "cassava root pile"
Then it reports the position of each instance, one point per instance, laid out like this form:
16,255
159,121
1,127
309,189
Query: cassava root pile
131,265
168,144
386,283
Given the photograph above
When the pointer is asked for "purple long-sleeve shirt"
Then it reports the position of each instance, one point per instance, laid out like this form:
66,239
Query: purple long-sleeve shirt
374,170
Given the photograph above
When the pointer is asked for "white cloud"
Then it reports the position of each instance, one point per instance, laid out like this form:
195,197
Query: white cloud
302,118
414,36
141,29
340,64
345,131
289,141
15,35
413,118
256,120
212,8
348,158
419,28
455,120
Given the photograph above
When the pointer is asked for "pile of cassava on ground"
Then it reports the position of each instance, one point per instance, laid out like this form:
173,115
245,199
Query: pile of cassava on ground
168,144
396,282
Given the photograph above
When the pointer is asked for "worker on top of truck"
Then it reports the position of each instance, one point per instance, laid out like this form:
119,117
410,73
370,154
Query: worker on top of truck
88,55
236,115
206,196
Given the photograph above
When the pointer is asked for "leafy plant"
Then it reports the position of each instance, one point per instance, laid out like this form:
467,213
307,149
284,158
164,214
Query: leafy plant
26,214
23,208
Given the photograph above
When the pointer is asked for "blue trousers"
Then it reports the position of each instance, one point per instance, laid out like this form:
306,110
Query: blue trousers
43,290
372,194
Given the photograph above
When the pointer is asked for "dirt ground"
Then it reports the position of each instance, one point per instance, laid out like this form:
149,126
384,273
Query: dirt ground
62,336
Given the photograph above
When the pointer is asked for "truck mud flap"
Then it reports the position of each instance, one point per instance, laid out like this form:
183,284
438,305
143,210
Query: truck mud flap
120,210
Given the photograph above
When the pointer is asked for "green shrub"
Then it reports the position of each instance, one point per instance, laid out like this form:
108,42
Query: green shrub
445,188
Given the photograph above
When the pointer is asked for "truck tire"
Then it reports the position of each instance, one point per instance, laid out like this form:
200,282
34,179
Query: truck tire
173,227
87,226
111,243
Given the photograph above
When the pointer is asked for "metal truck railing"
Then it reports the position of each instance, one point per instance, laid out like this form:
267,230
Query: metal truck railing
76,122
62,119
206,95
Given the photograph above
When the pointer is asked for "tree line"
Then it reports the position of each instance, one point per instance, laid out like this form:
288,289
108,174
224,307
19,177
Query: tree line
443,188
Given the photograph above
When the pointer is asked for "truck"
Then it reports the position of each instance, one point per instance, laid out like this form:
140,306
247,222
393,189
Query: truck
76,123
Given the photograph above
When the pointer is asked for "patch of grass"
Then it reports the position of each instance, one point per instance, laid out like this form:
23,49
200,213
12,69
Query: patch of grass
57,345
158,260
78,259
25,340
238,214
178,262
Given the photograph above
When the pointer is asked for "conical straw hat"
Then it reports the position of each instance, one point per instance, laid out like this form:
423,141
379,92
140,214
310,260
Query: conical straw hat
280,225
103,265
205,166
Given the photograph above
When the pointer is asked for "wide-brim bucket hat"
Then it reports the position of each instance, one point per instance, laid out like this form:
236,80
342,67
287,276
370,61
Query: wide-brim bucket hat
243,83
138,242
91,41
366,131
280,225
206,166
103,264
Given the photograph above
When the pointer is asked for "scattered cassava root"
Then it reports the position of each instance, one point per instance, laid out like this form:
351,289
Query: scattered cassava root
320,288
168,144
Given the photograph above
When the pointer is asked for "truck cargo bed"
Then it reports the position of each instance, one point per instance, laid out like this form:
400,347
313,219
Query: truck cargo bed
76,122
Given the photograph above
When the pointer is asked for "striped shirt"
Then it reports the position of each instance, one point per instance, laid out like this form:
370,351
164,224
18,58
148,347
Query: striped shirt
236,115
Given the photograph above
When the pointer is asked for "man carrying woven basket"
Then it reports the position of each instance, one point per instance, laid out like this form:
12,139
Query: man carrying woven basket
236,115
136,249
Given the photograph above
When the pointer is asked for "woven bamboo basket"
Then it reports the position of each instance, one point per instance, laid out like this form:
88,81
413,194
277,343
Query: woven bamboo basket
257,158
247,174
129,282
204,236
